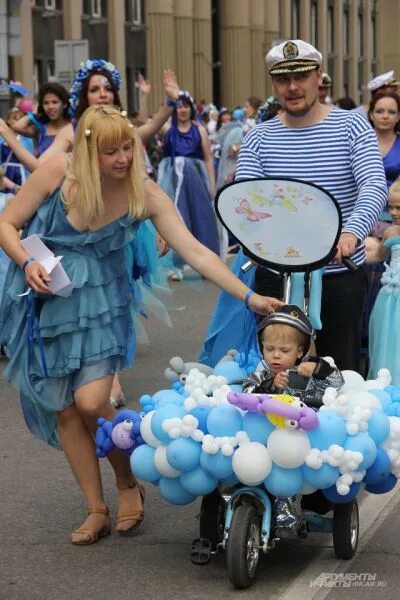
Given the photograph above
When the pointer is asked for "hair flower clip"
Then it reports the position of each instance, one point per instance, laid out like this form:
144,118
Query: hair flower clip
123,113
87,132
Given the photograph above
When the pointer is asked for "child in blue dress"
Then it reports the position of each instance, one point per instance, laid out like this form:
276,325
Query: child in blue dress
384,329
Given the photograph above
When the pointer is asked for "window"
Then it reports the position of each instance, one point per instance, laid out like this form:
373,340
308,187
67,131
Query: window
346,33
136,12
95,9
295,19
50,4
330,31
314,24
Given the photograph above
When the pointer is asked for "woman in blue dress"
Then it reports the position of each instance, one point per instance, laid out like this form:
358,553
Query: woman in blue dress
51,116
384,331
186,173
87,212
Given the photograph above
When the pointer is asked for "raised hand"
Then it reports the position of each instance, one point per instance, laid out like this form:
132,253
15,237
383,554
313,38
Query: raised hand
144,85
171,84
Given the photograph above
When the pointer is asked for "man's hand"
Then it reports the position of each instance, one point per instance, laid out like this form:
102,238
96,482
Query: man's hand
346,246
171,86
264,305
281,379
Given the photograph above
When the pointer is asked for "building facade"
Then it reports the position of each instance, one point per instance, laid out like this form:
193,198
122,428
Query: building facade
216,47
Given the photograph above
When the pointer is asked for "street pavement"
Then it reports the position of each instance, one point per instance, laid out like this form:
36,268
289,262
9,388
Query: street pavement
40,505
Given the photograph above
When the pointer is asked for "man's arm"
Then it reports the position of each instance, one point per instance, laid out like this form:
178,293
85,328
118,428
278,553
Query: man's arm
249,163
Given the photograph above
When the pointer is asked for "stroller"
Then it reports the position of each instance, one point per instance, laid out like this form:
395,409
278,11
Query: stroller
291,227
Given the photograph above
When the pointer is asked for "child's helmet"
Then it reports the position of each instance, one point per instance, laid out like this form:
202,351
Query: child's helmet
291,315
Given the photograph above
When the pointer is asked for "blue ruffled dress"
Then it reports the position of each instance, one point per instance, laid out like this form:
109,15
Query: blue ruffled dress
86,336
384,326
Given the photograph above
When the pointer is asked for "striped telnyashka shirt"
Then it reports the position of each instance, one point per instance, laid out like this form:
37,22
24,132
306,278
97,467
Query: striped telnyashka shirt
340,154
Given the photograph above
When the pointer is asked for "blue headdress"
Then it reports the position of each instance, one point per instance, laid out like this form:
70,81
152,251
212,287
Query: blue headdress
268,109
86,69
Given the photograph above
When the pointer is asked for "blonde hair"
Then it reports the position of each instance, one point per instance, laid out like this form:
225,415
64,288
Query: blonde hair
395,187
287,333
99,128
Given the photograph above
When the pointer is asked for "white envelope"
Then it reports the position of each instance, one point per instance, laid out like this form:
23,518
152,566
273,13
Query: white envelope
60,283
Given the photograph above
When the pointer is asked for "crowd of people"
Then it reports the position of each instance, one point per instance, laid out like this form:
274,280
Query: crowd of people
84,175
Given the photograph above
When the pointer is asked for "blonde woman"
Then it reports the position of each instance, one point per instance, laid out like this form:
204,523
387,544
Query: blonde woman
87,213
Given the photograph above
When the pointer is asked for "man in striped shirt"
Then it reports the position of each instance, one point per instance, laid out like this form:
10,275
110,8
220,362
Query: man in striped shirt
338,151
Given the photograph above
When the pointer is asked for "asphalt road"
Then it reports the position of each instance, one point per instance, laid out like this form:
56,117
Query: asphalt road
40,505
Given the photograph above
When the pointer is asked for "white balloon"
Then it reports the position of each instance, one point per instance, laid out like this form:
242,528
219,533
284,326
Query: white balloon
352,380
146,431
363,399
251,463
288,448
162,464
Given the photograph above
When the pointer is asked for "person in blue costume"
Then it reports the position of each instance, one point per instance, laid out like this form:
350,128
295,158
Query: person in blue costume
384,330
13,168
50,117
88,211
186,173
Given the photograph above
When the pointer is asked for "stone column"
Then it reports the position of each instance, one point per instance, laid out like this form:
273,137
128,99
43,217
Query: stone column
72,23
160,40
257,61
202,51
323,30
367,46
184,43
285,19
235,52
305,20
116,39
389,19
337,75
354,84
23,64
272,35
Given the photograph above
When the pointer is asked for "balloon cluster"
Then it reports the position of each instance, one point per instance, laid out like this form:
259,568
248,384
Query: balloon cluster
195,439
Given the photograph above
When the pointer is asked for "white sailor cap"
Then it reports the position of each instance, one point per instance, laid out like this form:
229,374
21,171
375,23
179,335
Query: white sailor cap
326,81
293,56
382,80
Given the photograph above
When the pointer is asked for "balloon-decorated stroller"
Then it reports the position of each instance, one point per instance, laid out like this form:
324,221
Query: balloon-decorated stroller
300,239
202,438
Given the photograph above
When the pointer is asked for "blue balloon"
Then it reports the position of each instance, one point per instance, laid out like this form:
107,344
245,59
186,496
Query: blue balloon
380,469
173,491
165,397
232,480
231,371
383,487
331,494
183,454
219,465
257,427
383,397
321,478
142,463
331,430
284,482
201,413
362,442
224,420
165,412
378,426
198,482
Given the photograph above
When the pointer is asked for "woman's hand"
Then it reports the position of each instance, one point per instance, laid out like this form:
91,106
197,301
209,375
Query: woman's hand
171,86
4,128
162,246
37,277
263,305
144,85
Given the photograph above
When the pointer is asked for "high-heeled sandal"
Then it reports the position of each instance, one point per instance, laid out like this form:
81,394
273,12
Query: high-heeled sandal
137,515
91,536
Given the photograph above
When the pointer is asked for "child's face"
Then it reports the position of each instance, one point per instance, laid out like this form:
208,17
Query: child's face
281,350
394,207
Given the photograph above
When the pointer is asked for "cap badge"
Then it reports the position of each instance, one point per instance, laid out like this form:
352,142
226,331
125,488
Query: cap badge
290,50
